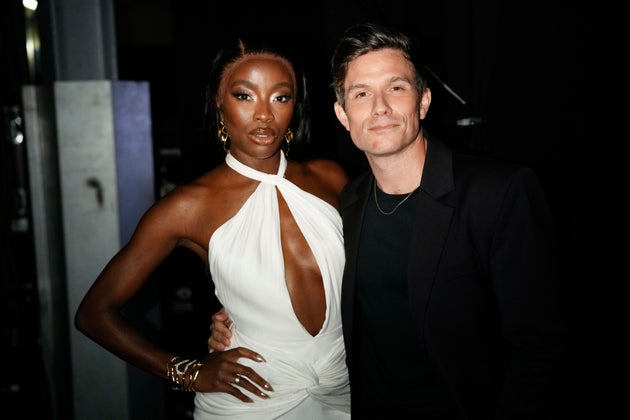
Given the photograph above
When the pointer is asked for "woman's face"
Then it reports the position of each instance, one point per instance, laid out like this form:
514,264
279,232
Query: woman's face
256,102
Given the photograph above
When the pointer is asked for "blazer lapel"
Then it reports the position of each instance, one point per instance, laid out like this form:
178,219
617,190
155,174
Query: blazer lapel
431,227
353,208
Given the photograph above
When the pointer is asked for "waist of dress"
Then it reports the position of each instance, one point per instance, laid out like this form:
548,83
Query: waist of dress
289,345
318,364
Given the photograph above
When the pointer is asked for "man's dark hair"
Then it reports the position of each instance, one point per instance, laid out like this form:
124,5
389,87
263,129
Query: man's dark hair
362,38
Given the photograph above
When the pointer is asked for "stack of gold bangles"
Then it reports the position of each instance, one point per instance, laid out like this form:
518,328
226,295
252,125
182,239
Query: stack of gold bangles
183,373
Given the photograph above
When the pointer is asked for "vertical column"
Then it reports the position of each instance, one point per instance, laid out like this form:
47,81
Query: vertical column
84,39
43,169
106,179
90,222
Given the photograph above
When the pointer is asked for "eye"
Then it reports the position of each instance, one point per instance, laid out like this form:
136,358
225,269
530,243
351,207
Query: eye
241,96
401,86
283,98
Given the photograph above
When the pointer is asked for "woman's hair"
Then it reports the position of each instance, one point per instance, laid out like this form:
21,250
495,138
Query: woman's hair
362,38
258,44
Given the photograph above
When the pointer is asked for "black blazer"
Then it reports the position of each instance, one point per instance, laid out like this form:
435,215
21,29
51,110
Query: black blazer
481,281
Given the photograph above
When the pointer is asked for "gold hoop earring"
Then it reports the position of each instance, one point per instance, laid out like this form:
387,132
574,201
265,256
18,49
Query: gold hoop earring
223,136
288,137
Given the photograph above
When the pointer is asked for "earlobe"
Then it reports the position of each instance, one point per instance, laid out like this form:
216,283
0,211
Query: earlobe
219,112
341,115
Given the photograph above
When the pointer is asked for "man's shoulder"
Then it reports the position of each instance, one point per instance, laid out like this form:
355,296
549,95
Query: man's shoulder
350,192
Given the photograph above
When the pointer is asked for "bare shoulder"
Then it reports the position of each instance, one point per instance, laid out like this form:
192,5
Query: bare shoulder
204,197
191,209
178,210
328,171
324,178
187,197
190,213
164,225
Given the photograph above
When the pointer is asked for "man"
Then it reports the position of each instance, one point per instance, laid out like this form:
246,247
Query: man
448,291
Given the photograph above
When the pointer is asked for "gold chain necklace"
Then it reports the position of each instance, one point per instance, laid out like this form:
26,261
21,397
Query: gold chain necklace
389,213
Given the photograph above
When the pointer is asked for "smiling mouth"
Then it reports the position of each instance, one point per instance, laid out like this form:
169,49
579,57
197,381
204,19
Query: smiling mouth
383,128
383,125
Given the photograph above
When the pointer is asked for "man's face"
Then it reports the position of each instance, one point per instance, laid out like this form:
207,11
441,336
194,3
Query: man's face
383,108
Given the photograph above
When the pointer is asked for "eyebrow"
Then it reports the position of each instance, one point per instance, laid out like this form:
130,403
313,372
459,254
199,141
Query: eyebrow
391,80
357,86
251,85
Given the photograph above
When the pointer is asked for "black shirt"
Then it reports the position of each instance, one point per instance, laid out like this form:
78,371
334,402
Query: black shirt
395,376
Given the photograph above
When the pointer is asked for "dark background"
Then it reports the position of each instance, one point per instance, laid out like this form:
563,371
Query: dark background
520,68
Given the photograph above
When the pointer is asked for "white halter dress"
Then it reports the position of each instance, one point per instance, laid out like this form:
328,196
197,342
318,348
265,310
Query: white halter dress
308,374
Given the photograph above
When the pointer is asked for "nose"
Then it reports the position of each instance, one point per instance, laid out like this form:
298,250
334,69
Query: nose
263,113
381,106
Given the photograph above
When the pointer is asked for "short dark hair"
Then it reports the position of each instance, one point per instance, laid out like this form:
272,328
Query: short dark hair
258,44
362,38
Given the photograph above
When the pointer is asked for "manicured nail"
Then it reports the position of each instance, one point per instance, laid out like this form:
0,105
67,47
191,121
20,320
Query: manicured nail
260,358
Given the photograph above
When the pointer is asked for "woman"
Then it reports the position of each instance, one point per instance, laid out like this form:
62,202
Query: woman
270,233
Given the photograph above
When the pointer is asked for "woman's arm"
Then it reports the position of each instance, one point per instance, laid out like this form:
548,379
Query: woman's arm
99,315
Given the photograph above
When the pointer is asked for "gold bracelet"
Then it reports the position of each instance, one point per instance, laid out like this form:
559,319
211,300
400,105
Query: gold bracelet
194,373
183,373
